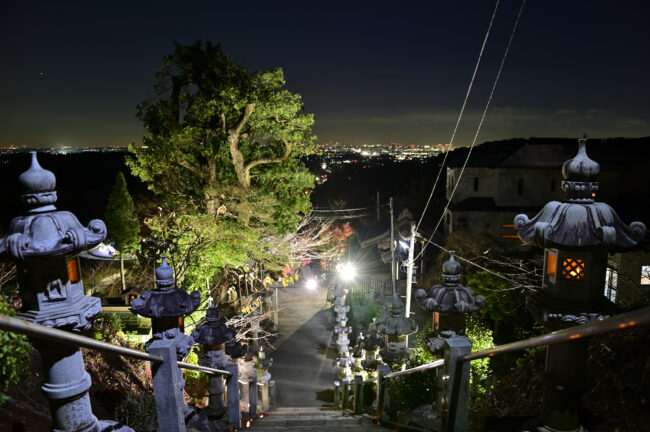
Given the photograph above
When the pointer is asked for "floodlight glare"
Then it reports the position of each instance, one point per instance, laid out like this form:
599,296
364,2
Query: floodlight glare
348,272
311,284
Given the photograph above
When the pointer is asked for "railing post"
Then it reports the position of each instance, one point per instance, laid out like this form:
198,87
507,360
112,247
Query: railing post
456,388
382,370
272,403
232,395
345,384
265,395
252,394
358,394
337,388
167,388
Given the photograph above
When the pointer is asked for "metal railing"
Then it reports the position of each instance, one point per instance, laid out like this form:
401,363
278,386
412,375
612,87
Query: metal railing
38,331
456,369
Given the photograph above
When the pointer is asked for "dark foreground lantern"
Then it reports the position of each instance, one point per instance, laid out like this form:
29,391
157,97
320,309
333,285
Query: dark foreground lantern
577,235
44,245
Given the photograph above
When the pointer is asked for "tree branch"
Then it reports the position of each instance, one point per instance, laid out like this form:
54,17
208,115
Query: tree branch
185,164
277,159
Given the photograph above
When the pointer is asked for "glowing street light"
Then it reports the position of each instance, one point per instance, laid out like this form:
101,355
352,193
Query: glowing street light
312,284
348,272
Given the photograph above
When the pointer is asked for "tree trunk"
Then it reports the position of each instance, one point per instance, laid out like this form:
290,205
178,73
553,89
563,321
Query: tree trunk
122,272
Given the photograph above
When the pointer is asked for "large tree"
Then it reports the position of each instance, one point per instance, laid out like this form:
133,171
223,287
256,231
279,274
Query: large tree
223,140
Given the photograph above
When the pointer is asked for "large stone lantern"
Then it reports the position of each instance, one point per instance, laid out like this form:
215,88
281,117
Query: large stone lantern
576,235
395,330
213,336
450,303
166,306
371,345
44,245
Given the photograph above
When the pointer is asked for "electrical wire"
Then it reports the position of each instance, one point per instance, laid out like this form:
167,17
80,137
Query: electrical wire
429,241
478,129
460,114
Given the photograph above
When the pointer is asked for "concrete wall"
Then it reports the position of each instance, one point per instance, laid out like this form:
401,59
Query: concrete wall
503,185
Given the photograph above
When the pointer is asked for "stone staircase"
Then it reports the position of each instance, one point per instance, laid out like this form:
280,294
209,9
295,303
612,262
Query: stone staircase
311,419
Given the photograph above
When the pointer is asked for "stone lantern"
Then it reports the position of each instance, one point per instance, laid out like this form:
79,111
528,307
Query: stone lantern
345,364
357,357
576,235
449,303
213,336
166,306
45,245
342,330
370,345
395,330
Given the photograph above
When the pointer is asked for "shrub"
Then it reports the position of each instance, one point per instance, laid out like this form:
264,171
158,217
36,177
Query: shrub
14,352
138,412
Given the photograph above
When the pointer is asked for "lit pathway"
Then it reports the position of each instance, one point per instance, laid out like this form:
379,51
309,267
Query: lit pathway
303,364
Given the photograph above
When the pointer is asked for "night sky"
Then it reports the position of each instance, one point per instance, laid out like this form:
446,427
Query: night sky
72,73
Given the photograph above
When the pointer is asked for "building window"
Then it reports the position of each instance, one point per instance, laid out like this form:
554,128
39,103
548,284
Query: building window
520,187
645,275
573,269
552,185
475,184
611,282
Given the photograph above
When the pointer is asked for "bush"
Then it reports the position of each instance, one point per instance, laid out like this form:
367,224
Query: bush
481,337
106,327
138,412
14,353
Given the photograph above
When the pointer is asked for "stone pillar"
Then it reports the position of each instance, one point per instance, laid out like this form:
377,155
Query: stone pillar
455,389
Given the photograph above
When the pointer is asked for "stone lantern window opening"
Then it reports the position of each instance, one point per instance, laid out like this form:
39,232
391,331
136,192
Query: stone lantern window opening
573,269
73,270
550,265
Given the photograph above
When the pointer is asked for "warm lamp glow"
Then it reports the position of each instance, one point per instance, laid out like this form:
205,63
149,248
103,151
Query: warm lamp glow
573,269
73,271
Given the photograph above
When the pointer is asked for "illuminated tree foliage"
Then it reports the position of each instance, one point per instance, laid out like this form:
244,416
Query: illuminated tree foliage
223,140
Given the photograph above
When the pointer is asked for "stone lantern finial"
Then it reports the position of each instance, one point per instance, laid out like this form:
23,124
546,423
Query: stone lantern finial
164,275
451,269
38,186
580,173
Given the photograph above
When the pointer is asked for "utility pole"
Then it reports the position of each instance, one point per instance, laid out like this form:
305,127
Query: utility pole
377,206
392,247
409,275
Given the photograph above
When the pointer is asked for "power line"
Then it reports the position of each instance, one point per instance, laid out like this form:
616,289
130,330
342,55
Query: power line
460,114
478,129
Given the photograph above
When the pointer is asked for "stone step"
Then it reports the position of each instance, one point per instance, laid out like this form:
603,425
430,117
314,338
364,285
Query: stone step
303,419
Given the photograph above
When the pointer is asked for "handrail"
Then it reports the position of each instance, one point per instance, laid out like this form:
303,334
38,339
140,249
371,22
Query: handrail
38,331
621,321
433,365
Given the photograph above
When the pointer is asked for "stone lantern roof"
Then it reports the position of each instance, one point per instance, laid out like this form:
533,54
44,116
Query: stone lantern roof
44,231
372,341
397,324
214,332
166,300
452,297
579,221
236,349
